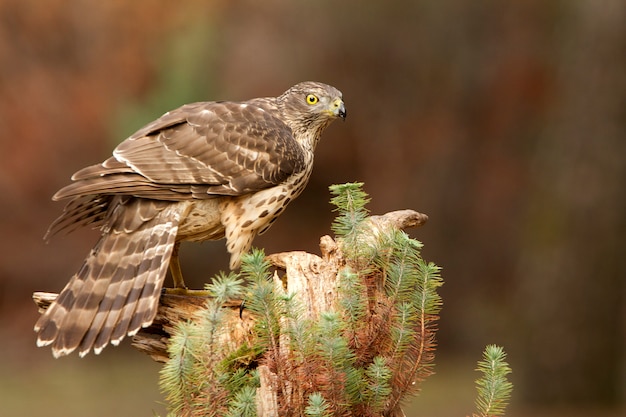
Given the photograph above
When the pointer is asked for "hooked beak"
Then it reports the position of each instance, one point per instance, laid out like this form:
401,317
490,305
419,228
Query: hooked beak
338,108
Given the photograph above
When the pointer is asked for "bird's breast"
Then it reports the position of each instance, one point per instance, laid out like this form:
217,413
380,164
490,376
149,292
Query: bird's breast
257,211
252,214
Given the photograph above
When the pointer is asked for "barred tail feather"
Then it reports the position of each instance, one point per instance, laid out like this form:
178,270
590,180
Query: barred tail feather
117,289
141,298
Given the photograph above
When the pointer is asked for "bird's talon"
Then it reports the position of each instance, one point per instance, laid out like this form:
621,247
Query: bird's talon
186,291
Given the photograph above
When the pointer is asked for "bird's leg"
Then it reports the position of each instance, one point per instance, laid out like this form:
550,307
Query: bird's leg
177,273
177,276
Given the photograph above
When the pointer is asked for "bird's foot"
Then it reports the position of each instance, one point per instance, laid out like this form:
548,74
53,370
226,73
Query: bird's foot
186,291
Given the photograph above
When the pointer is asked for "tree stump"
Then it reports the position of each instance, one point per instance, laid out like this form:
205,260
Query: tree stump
311,279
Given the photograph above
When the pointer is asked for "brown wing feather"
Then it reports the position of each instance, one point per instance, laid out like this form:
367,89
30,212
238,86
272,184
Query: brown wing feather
78,212
213,148
121,279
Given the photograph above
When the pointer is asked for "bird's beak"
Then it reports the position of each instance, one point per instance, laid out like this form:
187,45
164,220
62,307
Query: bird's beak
338,109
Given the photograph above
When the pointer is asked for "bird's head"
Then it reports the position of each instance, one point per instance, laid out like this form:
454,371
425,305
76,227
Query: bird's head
310,106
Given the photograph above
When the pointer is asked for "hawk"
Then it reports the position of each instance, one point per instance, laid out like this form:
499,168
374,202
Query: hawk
205,171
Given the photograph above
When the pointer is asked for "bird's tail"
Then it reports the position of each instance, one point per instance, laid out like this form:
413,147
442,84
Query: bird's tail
117,289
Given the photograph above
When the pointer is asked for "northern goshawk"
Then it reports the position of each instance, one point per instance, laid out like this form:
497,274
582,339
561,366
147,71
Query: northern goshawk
204,171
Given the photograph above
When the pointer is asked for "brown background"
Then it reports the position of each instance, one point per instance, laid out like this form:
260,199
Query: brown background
505,122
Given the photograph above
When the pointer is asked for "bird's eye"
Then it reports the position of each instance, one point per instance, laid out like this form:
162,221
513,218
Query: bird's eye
311,99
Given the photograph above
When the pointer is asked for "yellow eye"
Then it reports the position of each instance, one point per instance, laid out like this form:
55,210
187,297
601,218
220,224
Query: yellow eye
311,99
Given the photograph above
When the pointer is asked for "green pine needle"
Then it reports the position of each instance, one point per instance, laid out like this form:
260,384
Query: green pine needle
494,389
379,389
244,403
352,299
317,406
179,376
403,331
426,298
254,266
403,274
298,327
356,385
350,201
225,287
331,345
261,298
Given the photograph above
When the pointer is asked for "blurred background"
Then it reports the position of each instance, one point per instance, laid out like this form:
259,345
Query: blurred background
505,122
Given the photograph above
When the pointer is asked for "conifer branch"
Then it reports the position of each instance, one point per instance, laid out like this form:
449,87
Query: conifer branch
494,389
317,406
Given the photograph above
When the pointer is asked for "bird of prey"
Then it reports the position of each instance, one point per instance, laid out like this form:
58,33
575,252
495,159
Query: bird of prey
204,171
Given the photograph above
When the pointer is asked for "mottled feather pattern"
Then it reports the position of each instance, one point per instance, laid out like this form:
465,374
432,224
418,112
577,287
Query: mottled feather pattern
204,171
213,145
209,151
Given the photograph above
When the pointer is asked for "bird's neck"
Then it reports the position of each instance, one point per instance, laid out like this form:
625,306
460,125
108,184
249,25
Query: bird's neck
308,133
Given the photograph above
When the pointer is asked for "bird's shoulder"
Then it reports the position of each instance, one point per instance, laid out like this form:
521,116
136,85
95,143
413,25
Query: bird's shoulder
214,115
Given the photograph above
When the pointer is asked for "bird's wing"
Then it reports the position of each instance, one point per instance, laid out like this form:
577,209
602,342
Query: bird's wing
196,151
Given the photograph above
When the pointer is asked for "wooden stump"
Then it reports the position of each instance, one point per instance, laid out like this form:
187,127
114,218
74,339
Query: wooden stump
311,278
